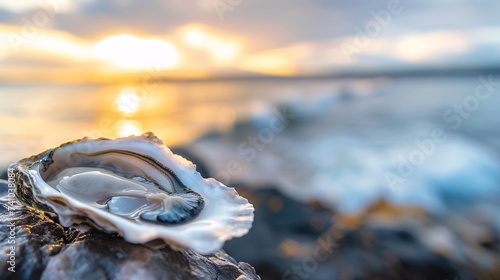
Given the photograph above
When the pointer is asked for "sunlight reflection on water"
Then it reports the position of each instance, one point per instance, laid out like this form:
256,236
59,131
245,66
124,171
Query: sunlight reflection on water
38,117
34,118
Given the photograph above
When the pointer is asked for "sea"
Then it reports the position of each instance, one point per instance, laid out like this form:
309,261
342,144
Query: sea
429,141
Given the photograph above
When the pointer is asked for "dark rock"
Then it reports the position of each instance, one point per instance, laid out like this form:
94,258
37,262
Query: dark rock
291,241
44,249
279,223
379,253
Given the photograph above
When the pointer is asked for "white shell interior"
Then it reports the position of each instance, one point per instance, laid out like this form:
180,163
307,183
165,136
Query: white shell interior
105,182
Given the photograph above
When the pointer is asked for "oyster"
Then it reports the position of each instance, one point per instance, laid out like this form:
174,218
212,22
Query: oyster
136,187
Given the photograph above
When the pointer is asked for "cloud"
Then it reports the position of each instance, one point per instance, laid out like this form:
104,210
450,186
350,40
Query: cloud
280,37
19,6
271,24
430,46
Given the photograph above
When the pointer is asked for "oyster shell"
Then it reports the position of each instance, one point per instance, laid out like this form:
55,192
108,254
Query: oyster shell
136,187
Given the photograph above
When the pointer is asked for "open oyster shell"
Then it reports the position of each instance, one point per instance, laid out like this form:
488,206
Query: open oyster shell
136,187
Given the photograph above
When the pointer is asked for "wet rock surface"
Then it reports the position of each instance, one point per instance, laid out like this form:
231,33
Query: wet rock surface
291,240
46,250
280,223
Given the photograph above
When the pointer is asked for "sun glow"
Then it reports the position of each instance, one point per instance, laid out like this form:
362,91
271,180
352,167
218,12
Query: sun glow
128,101
195,37
221,49
134,53
46,44
129,127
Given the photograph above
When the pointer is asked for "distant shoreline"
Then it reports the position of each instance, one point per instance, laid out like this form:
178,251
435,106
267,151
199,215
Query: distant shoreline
396,73
428,72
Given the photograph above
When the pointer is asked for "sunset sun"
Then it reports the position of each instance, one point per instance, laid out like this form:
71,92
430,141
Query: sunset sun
134,53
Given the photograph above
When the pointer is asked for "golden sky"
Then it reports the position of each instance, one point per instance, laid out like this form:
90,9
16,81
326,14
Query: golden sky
93,41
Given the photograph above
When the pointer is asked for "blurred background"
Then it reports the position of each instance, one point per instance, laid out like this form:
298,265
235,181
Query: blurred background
365,133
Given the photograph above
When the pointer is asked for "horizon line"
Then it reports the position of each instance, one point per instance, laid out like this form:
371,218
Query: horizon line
422,72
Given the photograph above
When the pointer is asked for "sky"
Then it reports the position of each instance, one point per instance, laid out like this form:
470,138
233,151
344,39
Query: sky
99,41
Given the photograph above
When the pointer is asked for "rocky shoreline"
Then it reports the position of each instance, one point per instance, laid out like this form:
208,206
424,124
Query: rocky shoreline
289,240
43,249
306,241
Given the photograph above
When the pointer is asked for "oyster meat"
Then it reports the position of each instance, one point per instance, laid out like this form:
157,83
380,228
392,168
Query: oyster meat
136,187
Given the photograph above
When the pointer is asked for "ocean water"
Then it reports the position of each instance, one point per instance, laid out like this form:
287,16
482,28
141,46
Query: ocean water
426,141
37,117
